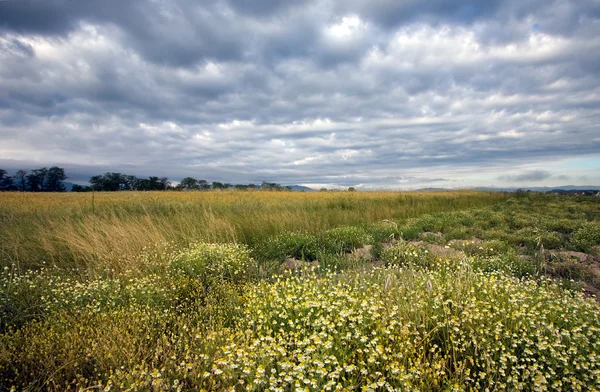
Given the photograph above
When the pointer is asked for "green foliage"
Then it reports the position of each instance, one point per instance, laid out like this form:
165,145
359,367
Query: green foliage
433,238
298,245
587,236
533,239
406,254
214,263
510,264
383,231
410,231
479,248
456,233
344,239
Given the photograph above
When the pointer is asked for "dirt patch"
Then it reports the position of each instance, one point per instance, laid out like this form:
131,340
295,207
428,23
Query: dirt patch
465,242
578,266
592,292
440,250
291,264
567,255
433,237
363,254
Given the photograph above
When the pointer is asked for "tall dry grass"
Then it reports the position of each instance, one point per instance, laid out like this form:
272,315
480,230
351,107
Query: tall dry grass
108,230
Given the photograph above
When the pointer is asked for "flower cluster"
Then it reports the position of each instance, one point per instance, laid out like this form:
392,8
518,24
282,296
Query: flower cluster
393,329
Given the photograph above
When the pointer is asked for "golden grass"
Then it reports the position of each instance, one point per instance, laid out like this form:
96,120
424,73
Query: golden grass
108,230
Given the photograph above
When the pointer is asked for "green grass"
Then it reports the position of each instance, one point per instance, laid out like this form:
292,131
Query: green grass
107,231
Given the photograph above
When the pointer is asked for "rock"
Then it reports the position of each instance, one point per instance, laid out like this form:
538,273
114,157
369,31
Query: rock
291,264
444,251
465,242
571,255
363,254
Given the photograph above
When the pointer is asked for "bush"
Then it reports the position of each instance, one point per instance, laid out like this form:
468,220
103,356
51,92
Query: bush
383,231
302,246
410,231
532,239
485,249
565,226
344,239
456,233
433,238
406,254
510,264
587,237
212,263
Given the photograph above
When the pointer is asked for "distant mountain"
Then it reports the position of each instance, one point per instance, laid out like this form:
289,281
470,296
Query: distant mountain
68,185
300,188
556,189
544,188
433,190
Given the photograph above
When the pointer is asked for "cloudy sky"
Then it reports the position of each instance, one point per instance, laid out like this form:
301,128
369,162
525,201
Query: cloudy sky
373,93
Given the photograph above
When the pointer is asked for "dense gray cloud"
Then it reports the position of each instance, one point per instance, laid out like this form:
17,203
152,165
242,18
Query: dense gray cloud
533,175
373,93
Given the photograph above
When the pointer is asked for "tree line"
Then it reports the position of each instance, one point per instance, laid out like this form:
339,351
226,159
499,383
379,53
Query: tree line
124,182
37,180
52,180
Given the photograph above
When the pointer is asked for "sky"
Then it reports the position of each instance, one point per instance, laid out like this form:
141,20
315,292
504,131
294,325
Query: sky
398,94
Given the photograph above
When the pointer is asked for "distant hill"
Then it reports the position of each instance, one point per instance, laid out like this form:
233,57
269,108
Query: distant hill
554,189
300,188
544,188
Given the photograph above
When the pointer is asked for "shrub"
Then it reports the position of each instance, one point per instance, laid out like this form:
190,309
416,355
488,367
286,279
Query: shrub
299,245
433,238
212,263
406,254
383,231
587,237
510,264
532,239
485,249
410,231
565,226
456,233
344,239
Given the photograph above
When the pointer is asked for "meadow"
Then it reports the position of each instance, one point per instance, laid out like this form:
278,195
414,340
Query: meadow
252,291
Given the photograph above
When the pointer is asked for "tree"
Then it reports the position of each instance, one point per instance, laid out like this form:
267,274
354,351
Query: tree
163,184
21,176
203,185
37,179
110,182
131,183
323,190
54,179
6,182
189,183
351,189
80,188
270,186
217,185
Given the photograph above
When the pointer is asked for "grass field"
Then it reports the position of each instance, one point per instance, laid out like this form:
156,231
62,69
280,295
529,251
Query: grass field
109,230
450,291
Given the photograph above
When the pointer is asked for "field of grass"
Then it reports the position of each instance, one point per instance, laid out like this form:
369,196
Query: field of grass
109,230
252,291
